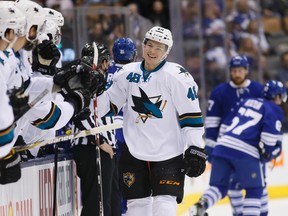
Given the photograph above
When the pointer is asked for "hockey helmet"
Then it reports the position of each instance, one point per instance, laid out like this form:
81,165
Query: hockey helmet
35,16
274,88
52,31
124,50
239,61
161,35
55,16
11,18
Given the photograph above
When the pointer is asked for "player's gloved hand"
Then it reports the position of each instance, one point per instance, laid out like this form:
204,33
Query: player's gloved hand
19,102
76,74
194,161
79,98
45,57
10,170
98,83
84,114
266,157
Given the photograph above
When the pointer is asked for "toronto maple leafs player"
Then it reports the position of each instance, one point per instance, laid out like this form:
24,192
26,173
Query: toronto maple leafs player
252,136
161,118
124,51
222,101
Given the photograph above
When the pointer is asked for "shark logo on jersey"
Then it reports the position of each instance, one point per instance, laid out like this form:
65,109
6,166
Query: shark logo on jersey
183,70
146,108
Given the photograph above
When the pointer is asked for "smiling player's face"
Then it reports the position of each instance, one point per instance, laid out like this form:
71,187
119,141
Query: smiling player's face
152,53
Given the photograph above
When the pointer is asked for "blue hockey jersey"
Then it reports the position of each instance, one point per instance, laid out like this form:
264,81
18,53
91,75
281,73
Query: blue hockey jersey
257,120
221,103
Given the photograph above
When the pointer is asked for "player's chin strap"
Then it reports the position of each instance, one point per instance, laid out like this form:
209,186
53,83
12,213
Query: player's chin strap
83,133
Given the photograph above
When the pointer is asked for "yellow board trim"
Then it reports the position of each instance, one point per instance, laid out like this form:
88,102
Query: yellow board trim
274,192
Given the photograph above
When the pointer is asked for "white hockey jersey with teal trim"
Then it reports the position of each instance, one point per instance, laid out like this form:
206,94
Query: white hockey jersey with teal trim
161,113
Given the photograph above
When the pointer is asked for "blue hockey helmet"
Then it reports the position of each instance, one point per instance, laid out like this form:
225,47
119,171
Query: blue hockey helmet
239,61
124,50
274,88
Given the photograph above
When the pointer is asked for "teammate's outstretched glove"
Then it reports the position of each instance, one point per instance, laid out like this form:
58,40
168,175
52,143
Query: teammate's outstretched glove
266,157
19,102
45,57
98,84
10,170
76,74
80,98
194,161
83,115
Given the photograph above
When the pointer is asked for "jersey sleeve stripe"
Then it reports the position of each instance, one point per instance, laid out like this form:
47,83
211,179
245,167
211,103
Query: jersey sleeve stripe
191,120
50,120
6,135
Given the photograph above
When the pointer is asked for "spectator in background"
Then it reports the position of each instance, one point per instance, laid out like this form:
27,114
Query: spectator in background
255,31
158,15
213,25
193,65
64,6
191,23
247,48
97,33
139,26
282,73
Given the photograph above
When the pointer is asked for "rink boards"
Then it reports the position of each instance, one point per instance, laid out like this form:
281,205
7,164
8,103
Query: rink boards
33,194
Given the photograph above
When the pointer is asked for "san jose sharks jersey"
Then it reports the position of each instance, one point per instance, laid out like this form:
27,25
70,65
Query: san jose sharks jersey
50,112
19,72
115,68
223,99
161,113
6,116
257,120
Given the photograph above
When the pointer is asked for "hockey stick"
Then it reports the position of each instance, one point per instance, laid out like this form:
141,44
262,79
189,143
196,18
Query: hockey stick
55,178
61,138
98,156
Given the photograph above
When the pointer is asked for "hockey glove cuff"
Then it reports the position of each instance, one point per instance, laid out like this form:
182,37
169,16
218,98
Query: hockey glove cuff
19,102
45,57
194,161
79,98
10,170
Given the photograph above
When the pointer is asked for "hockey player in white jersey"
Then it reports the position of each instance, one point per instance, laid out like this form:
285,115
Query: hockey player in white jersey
12,25
49,113
46,114
253,136
51,31
161,119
